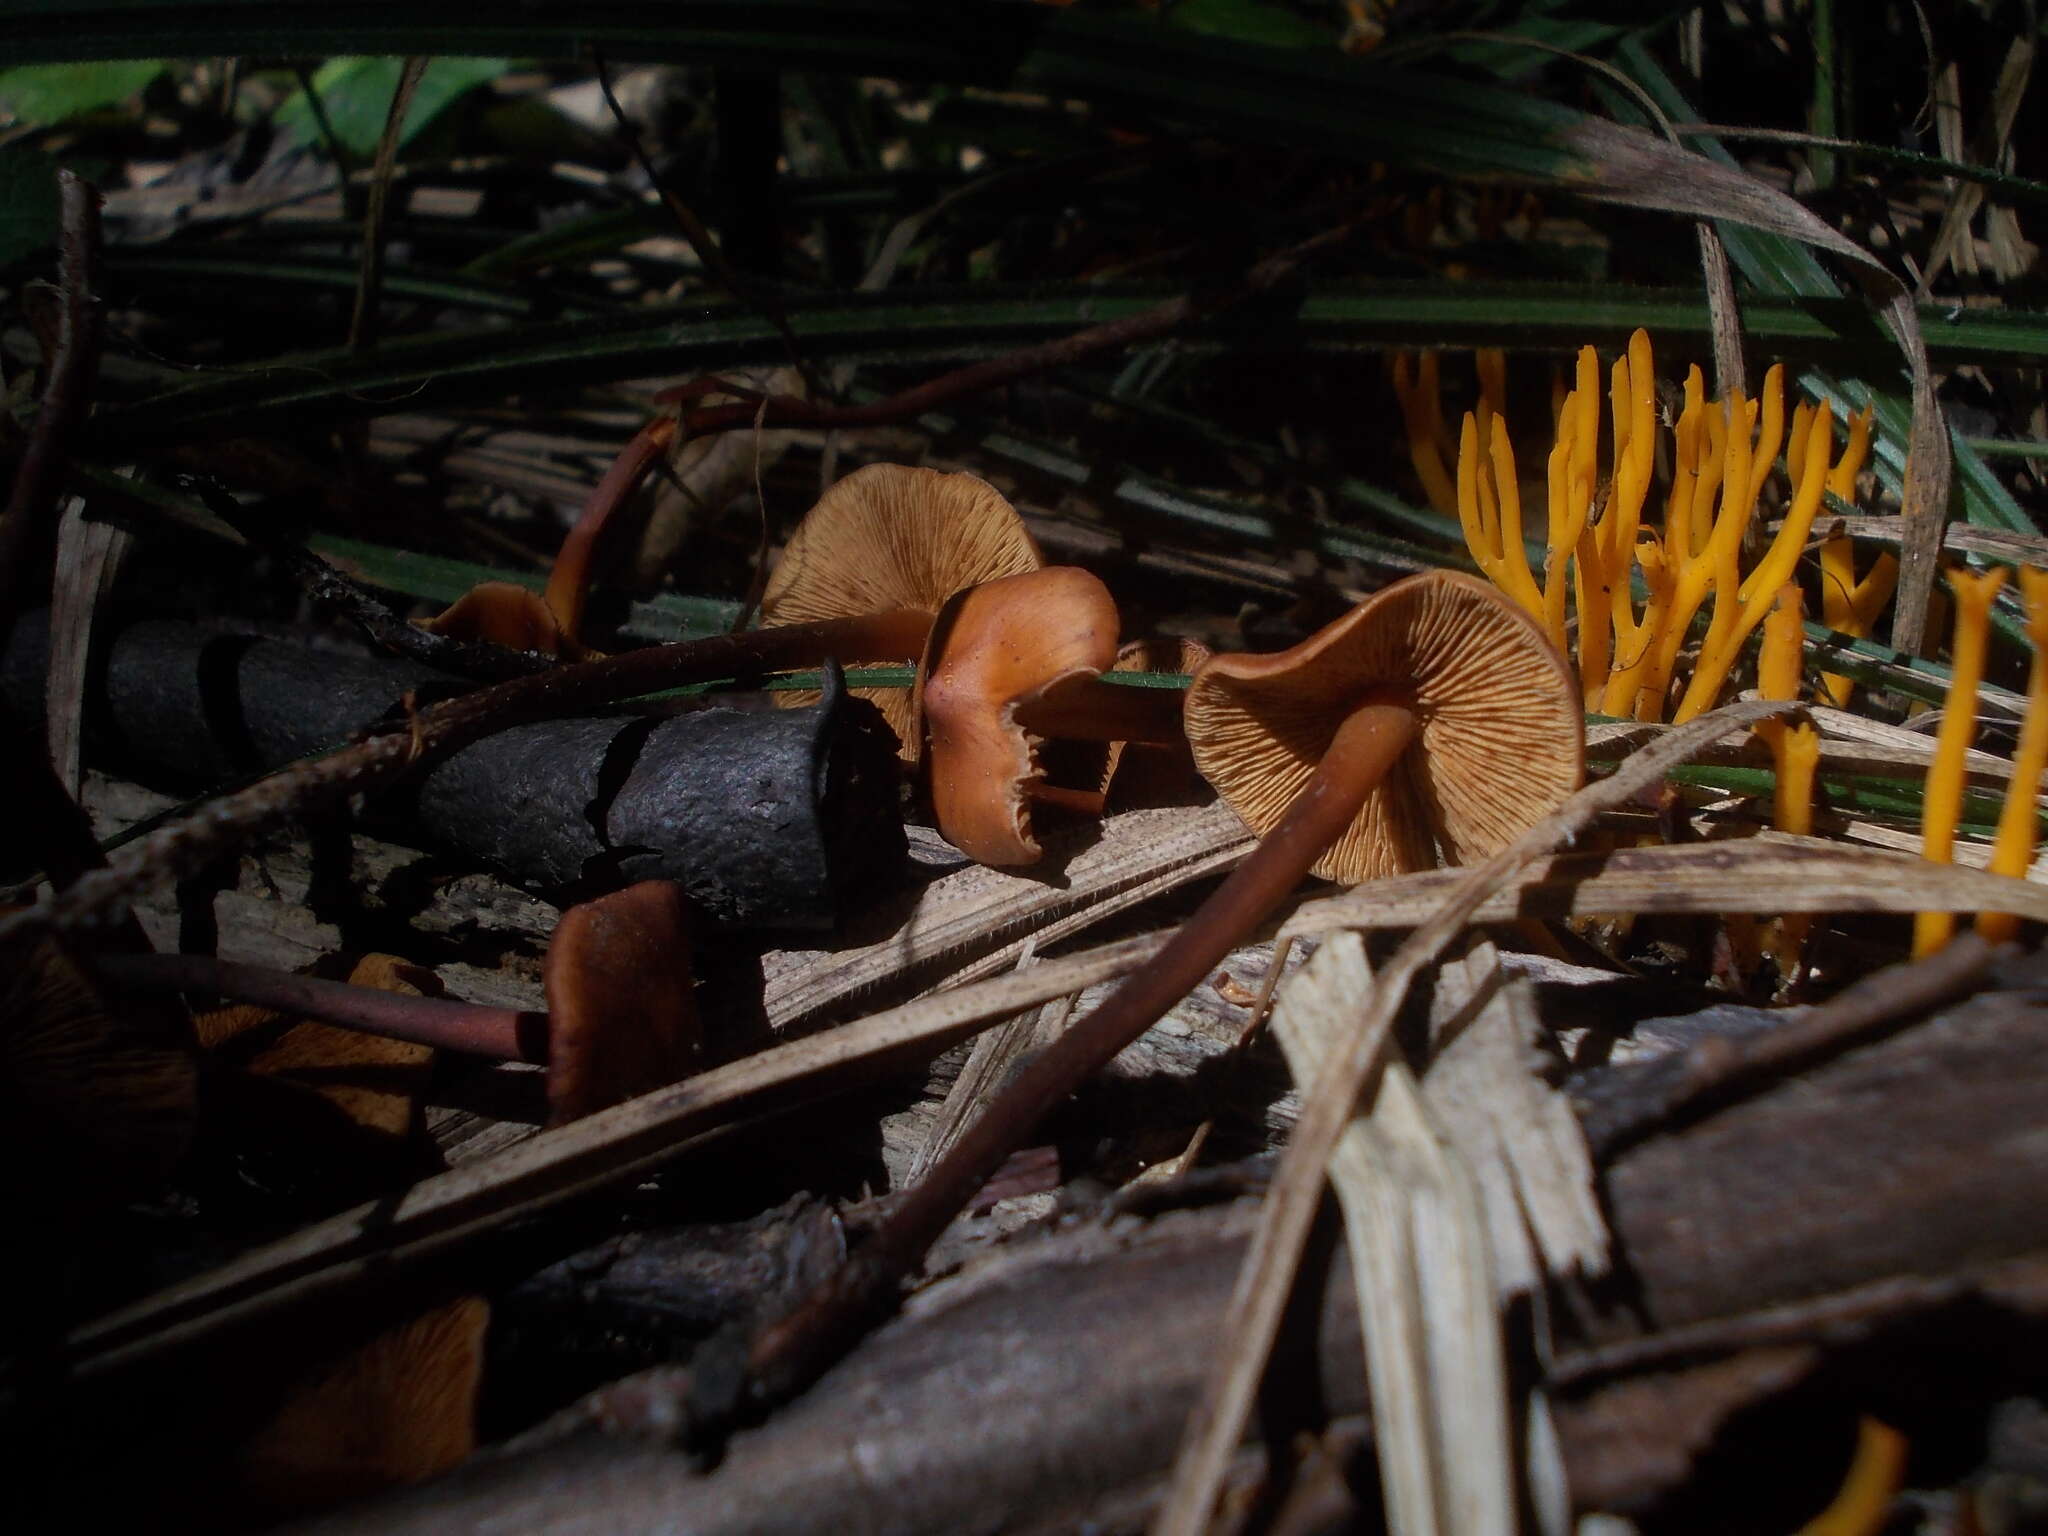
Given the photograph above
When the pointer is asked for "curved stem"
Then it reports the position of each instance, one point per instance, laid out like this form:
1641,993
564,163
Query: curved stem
790,1352
505,1034
569,581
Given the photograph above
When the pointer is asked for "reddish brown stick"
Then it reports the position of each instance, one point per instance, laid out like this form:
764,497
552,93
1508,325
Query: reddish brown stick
789,1354
504,1034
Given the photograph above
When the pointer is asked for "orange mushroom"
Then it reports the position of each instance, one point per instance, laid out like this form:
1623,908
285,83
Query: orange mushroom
1010,662
622,1010
87,1094
396,1409
621,1017
504,613
893,537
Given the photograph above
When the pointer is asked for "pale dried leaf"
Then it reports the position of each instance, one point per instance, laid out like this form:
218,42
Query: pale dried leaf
1517,1134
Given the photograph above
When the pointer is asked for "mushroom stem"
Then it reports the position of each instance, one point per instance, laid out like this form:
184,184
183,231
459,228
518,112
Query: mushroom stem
569,581
505,1034
1088,709
1368,742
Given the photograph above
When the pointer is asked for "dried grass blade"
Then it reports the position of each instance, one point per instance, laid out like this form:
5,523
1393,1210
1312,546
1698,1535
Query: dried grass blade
1769,873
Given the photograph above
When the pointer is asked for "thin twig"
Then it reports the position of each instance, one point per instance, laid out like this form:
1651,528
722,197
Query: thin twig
333,591
362,325
74,363
1267,1276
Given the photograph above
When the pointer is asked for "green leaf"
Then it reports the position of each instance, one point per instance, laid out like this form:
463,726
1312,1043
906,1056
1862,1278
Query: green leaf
42,94
1251,21
357,94
28,202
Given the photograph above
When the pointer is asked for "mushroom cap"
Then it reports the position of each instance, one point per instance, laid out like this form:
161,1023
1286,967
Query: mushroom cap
1501,738
995,648
894,536
504,613
622,1012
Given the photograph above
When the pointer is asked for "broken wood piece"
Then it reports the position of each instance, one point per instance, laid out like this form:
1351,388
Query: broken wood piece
1515,1132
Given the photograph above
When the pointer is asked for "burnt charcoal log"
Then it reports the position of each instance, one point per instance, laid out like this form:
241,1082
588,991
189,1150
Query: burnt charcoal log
773,819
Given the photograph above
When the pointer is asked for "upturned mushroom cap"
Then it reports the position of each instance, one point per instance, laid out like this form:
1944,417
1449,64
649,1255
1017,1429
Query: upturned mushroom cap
622,1016
894,536
995,649
1501,738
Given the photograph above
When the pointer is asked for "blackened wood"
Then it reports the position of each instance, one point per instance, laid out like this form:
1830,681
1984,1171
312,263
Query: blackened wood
775,819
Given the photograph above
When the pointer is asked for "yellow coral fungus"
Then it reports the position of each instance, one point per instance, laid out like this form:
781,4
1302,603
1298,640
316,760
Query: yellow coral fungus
2013,851
1490,510
1795,751
1875,1476
1942,802
1740,606
1422,415
1716,552
1846,604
